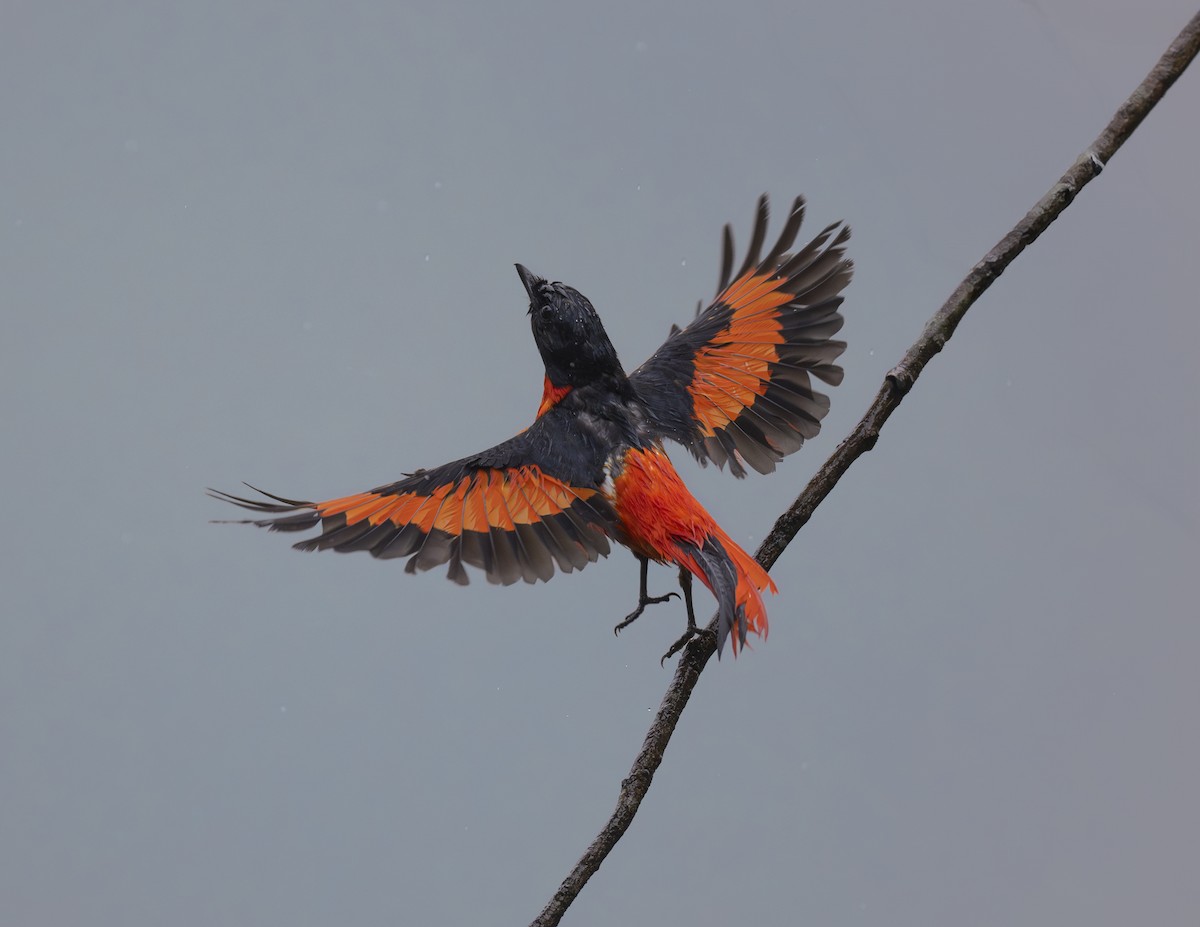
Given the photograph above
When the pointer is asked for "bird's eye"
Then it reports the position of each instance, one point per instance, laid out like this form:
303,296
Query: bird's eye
547,313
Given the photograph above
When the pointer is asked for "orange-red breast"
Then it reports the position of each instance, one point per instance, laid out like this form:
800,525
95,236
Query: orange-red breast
734,387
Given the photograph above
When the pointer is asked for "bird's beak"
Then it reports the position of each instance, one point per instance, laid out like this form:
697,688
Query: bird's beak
530,280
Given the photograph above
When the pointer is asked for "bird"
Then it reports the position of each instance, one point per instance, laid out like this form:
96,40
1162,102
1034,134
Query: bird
735,387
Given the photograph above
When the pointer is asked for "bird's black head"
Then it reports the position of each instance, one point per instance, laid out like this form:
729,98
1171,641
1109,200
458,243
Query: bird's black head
572,341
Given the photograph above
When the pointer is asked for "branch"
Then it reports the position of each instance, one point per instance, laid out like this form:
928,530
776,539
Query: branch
895,387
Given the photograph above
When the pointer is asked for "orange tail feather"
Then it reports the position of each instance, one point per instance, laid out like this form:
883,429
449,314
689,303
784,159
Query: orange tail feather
753,580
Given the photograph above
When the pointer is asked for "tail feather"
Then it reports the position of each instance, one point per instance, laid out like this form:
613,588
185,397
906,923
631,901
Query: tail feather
737,581
717,572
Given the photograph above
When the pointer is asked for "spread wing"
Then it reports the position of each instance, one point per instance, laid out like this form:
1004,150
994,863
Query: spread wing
735,386
514,511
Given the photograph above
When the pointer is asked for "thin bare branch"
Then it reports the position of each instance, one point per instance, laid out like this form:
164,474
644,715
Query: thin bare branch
862,438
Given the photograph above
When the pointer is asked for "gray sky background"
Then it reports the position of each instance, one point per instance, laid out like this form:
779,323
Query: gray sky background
274,242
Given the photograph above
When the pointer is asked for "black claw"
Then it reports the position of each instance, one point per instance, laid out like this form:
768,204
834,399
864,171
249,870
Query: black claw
683,641
643,601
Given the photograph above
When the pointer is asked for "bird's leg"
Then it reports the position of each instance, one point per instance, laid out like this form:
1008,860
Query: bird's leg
644,598
685,583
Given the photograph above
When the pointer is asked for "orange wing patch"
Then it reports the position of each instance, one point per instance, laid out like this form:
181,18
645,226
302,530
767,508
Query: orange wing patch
731,375
481,501
513,523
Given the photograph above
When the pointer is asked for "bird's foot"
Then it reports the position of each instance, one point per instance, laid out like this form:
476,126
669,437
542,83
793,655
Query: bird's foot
684,640
643,601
